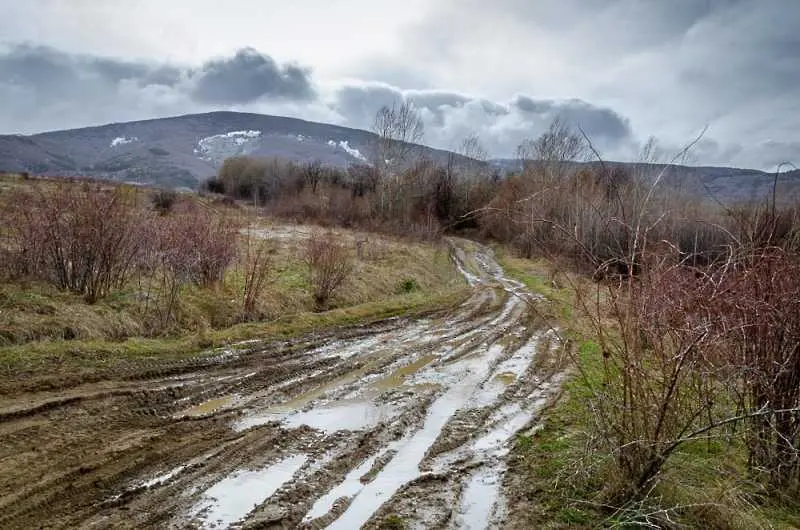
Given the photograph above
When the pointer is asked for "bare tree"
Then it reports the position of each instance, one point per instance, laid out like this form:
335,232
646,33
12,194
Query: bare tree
398,129
553,152
471,147
312,174
473,163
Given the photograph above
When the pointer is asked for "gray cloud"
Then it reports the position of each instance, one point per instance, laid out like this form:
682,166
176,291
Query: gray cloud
668,68
42,88
248,76
597,122
45,69
450,117
621,69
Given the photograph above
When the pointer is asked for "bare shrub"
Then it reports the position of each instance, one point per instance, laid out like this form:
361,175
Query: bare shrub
164,200
194,245
329,264
656,386
760,316
199,244
256,265
84,238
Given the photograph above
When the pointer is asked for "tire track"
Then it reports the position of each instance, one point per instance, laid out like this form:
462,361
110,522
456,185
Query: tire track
405,418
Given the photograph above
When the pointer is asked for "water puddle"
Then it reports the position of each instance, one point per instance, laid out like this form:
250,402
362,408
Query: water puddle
350,486
506,373
397,378
350,415
209,407
404,467
478,499
506,378
471,278
161,479
231,499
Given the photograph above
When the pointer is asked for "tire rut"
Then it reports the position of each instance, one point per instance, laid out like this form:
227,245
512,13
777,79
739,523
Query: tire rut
402,418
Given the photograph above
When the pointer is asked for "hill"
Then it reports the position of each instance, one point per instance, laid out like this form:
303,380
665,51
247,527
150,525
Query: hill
726,184
182,151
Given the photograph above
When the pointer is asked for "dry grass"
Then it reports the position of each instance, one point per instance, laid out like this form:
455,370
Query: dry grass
267,284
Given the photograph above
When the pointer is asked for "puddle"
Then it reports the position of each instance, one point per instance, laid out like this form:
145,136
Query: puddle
346,350
157,481
471,278
237,495
508,420
347,488
209,407
298,402
506,373
404,467
506,378
342,415
479,498
399,376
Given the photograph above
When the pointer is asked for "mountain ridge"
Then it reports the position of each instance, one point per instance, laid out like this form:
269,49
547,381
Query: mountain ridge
181,151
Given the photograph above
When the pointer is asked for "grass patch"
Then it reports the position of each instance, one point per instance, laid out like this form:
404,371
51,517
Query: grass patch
103,353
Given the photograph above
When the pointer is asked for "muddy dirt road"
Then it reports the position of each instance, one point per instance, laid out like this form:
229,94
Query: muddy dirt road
405,423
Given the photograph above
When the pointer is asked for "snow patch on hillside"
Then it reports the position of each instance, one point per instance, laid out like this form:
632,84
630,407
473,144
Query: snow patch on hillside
345,146
218,147
123,140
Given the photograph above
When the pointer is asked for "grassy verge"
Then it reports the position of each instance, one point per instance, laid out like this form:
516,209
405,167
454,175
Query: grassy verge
562,479
104,353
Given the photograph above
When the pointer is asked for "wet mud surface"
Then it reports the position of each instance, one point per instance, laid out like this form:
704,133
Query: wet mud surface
406,421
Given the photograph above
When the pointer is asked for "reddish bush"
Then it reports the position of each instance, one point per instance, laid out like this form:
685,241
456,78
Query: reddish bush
84,238
329,263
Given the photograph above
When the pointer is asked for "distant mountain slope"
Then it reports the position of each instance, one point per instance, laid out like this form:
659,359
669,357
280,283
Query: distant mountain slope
724,184
183,150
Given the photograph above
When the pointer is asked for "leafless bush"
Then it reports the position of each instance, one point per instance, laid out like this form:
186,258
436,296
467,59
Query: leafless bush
84,238
256,266
194,245
657,384
164,200
199,244
760,316
329,264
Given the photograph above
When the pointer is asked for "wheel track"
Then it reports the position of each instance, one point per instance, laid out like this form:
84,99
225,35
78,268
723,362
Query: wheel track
146,399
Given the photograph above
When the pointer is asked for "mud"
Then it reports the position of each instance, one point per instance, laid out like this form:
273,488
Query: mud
408,420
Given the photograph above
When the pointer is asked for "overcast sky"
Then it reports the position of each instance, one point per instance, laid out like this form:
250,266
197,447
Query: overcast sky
624,70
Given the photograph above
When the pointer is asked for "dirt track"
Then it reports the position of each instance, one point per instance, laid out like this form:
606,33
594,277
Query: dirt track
408,420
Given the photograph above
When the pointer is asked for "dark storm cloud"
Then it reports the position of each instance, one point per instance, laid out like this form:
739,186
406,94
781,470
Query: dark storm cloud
42,88
450,116
46,69
596,122
248,76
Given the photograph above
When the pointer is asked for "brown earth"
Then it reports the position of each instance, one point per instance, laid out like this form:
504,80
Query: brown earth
401,423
